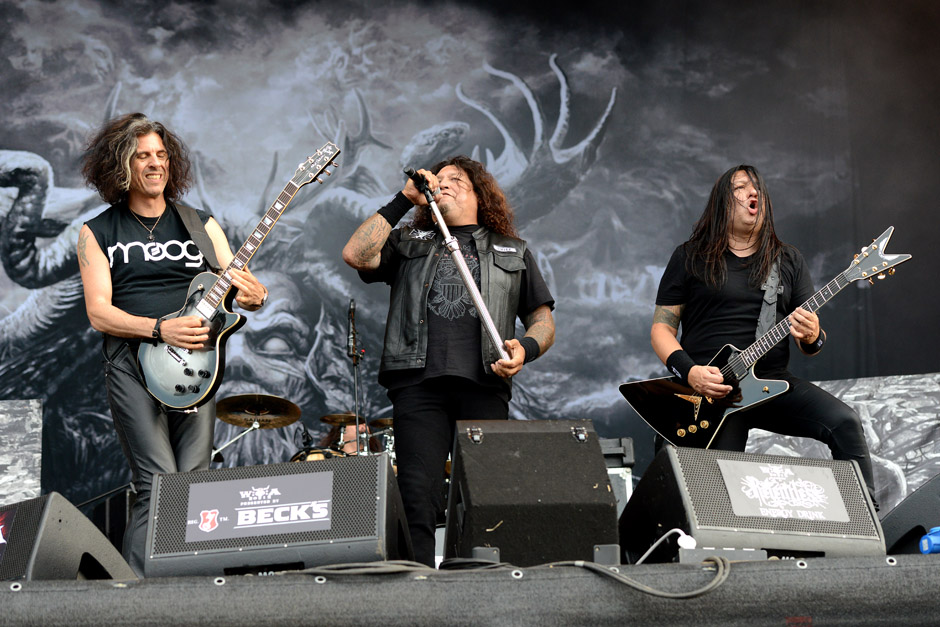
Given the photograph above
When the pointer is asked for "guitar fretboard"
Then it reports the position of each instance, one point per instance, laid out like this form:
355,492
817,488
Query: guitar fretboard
308,171
749,356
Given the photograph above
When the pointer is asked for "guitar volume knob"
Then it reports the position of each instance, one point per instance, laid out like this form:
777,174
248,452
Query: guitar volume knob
204,374
180,388
188,372
193,389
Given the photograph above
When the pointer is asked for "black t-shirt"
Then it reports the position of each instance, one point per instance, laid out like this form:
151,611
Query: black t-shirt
728,315
148,278
455,331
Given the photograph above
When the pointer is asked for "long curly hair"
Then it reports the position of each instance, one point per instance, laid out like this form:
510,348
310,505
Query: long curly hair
706,248
493,210
106,163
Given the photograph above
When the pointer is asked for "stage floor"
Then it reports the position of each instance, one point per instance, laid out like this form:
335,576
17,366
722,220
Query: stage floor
898,590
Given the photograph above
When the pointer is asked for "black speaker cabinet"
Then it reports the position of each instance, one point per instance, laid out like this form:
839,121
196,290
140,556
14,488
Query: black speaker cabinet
290,516
912,518
786,506
536,490
48,538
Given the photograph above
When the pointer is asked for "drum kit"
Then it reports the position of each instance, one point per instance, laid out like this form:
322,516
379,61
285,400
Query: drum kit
349,433
261,411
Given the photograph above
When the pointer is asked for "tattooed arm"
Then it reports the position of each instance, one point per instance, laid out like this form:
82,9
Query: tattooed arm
540,326
706,380
665,330
363,251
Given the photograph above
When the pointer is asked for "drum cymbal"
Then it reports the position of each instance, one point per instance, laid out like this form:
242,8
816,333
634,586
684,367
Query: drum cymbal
270,412
381,423
342,420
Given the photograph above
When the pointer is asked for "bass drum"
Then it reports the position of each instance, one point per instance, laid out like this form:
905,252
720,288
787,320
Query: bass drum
314,454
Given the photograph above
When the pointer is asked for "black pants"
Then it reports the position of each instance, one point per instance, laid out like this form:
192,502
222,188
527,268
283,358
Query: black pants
805,410
154,438
424,417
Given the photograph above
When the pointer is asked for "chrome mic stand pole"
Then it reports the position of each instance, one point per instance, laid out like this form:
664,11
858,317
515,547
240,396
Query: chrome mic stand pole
454,247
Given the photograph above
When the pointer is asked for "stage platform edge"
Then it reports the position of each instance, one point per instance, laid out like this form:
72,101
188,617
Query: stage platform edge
888,590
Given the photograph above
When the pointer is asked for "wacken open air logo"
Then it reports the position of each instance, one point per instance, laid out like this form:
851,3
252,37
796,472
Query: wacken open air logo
259,496
779,491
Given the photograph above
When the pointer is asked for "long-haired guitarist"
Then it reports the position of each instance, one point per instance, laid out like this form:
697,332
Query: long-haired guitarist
715,285
137,259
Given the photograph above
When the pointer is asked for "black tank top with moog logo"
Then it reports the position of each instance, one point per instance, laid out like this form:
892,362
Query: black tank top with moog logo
148,278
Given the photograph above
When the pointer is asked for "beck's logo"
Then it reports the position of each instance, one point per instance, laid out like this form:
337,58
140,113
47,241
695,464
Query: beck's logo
208,519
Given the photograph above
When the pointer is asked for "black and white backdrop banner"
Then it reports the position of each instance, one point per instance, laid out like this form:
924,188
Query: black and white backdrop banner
606,126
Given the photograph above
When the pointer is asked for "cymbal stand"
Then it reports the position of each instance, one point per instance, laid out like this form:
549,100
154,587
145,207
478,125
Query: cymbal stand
454,247
217,453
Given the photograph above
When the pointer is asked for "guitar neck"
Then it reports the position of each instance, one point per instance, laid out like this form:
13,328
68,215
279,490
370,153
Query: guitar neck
781,330
223,284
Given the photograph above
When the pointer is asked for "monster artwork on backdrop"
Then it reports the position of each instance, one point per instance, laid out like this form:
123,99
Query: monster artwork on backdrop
295,347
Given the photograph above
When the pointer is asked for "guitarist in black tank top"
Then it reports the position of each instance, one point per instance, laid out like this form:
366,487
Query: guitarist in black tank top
136,260
712,285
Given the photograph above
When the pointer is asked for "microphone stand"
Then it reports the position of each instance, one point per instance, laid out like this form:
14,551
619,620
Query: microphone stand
454,247
355,356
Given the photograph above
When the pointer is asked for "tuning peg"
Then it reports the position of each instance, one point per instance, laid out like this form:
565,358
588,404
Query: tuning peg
318,181
881,276
890,271
871,281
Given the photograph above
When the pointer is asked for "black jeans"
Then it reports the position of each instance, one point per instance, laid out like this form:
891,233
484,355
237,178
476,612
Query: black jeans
154,438
424,418
805,410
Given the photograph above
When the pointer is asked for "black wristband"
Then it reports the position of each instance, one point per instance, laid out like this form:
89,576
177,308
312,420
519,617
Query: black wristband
156,330
531,347
815,347
394,211
679,364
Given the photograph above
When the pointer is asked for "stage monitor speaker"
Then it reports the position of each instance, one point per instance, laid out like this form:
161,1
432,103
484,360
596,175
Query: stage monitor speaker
536,490
913,517
786,506
263,519
48,538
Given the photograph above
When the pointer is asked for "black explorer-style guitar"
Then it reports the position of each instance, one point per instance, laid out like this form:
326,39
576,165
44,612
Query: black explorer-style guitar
686,418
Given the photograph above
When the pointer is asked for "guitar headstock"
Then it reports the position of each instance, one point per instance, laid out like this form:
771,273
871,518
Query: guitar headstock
873,261
315,165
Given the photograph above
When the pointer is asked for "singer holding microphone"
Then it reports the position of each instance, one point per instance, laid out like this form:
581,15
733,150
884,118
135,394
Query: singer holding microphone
438,364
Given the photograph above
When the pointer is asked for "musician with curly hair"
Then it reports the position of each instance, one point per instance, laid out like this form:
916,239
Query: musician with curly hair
438,363
137,259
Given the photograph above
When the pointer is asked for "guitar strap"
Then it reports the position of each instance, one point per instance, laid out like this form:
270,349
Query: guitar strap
768,310
197,231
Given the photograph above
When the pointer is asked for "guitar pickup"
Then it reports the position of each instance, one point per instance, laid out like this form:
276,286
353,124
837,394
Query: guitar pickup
172,353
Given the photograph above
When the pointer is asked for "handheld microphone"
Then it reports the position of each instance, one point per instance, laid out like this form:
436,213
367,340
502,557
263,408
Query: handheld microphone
418,179
351,329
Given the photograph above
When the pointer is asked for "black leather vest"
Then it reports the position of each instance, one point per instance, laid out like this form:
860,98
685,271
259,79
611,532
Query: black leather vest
406,334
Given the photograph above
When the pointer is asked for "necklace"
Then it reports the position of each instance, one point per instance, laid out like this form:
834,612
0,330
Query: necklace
149,230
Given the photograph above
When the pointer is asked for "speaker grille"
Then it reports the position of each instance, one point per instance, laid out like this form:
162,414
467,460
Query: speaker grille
355,506
713,508
21,537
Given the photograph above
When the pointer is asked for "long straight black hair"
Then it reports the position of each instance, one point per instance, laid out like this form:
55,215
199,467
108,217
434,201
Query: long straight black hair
708,244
